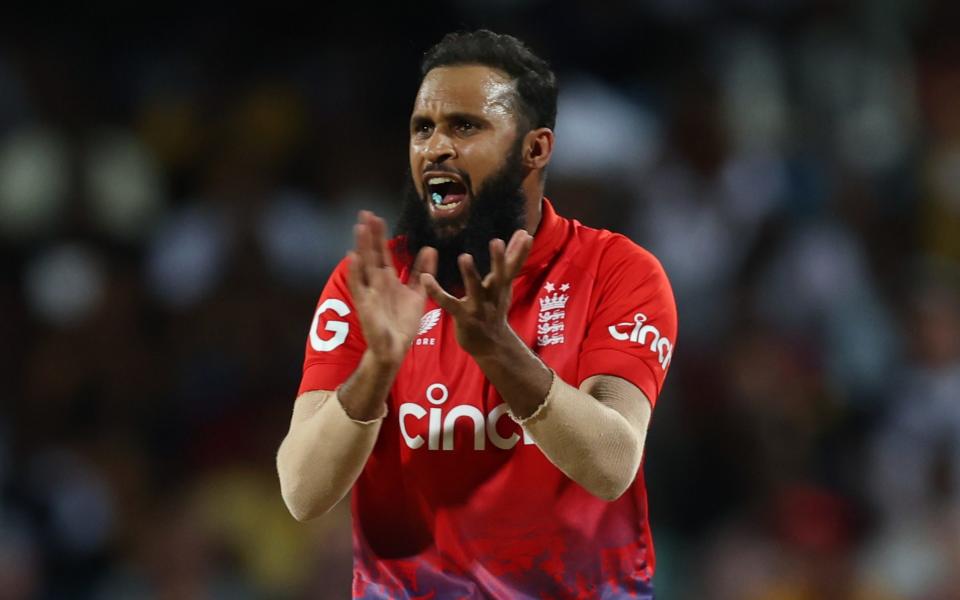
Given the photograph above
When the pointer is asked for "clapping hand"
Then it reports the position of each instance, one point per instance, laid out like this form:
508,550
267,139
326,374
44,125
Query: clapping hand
389,311
481,315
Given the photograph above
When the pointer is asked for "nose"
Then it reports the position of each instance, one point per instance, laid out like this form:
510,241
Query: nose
439,148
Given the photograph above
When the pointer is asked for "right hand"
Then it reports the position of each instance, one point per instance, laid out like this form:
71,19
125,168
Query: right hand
388,310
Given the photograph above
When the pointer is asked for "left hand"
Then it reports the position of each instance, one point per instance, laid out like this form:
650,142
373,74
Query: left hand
481,315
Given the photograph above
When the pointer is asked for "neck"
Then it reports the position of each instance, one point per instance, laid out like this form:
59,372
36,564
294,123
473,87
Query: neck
533,192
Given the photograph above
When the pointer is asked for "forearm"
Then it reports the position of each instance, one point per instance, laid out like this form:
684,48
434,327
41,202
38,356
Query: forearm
591,442
330,438
518,375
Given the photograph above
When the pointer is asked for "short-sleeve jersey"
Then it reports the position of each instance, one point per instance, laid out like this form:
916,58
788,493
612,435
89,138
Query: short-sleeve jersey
455,501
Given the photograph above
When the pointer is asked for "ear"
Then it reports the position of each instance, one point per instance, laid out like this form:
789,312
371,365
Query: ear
537,148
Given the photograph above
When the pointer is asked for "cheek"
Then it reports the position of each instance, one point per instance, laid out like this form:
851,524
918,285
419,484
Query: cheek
480,159
415,167
482,162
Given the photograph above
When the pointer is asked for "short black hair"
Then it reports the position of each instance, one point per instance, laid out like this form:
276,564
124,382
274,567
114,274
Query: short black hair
536,84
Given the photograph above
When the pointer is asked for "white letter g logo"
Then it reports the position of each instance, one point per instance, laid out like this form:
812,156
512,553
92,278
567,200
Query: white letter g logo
339,328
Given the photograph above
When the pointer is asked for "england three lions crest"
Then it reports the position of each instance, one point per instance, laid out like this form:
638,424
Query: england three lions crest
550,319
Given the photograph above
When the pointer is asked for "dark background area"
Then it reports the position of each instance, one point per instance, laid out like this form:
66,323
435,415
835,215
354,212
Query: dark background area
175,189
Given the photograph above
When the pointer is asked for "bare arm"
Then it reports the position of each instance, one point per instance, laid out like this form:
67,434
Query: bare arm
594,434
332,432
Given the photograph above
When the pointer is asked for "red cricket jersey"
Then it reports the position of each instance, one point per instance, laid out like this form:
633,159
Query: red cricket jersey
454,501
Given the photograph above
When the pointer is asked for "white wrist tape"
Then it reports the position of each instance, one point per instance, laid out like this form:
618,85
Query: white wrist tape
592,443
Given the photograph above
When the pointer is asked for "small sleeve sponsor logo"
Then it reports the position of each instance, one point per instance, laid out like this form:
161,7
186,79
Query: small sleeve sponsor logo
339,329
639,332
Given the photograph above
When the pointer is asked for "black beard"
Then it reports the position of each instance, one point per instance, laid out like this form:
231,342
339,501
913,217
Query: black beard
496,210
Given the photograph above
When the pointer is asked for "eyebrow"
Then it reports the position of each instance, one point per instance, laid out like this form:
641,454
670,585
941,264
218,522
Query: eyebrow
418,120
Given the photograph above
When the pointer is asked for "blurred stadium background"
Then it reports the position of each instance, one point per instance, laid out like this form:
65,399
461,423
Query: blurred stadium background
175,189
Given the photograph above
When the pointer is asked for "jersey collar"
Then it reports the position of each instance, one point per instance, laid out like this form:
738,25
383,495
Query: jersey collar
547,239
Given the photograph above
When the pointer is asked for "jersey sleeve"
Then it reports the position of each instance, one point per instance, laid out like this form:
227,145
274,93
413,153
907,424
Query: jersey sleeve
335,341
633,329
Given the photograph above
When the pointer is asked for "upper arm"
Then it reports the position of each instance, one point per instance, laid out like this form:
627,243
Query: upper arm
335,341
632,329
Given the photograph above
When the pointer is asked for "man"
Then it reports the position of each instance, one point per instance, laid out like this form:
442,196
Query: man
486,401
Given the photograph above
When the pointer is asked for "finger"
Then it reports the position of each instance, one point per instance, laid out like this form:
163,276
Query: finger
363,218
515,240
471,278
355,281
517,252
498,262
439,295
426,262
361,235
381,246
372,223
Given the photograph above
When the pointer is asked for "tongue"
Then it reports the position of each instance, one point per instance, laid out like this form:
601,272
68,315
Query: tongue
451,198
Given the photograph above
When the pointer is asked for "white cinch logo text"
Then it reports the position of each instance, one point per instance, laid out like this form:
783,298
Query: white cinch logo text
440,427
340,329
638,333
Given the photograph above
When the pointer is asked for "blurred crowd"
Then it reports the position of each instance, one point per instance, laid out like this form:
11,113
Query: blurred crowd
173,196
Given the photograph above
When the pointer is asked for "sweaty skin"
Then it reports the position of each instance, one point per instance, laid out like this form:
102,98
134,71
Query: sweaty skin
464,122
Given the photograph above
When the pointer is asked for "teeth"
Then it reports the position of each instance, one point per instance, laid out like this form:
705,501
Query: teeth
438,180
450,206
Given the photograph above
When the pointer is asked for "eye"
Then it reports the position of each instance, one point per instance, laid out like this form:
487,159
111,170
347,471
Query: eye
465,126
422,129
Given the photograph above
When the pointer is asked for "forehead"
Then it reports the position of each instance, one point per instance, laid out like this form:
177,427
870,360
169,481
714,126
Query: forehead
466,89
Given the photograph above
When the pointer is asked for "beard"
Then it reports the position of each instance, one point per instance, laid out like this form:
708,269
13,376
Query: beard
496,210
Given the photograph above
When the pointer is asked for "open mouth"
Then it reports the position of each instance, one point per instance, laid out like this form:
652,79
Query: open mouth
446,194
